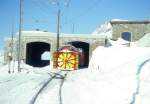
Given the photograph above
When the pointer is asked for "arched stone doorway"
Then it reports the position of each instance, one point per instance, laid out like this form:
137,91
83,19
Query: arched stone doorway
34,51
83,48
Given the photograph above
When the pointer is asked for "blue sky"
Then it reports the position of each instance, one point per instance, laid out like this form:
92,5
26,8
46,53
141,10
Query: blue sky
85,15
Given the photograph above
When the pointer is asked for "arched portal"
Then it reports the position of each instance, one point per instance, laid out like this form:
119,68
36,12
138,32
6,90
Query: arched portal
83,49
126,36
34,51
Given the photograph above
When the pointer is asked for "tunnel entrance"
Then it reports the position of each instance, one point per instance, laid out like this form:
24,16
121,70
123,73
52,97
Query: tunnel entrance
34,51
83,49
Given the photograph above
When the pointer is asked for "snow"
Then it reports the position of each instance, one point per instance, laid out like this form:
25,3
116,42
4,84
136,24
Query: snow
119,20
144,41
121,69
116,75
46,55
104,30
20,88
119,43
1,57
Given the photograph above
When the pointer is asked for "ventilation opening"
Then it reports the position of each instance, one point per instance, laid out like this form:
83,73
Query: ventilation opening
126,36
83,53
34,51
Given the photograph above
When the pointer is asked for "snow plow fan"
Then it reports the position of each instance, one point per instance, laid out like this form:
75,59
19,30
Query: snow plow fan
65,60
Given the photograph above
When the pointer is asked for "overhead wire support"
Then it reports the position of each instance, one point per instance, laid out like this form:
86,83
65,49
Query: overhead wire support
58,28
58,21
12,46
10,53
58,24
20,33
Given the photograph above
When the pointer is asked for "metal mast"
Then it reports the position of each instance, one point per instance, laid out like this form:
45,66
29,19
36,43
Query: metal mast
58,20
58,27
10,54
12,45
20,33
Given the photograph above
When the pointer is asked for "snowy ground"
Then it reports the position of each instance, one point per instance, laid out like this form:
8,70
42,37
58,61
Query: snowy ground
1,57
116,75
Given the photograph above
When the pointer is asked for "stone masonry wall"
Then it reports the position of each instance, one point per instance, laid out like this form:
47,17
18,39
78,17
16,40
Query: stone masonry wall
137,29
91,40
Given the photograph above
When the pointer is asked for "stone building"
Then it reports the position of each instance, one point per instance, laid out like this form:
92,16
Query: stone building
130,30
35,43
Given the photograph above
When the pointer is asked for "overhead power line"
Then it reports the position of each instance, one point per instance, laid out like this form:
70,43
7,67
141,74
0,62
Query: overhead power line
87,10
40,6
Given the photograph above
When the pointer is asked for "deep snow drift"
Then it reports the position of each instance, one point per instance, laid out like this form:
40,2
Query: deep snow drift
144,41
116,75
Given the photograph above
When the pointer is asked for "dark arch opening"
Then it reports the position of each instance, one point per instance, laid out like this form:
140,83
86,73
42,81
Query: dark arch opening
83,49
34,50
126,36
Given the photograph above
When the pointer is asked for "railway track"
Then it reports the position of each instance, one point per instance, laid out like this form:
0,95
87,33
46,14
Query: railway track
53,76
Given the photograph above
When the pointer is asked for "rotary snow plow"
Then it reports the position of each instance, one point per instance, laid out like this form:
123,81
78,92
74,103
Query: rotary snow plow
66,58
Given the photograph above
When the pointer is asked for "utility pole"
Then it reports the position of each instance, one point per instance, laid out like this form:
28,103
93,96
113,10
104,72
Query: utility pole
12,45
58,21
20,33
10,54
58,27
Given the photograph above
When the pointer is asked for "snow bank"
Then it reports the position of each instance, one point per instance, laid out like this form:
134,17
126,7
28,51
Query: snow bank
1,57
144,41
144,91
120,68
119,43
109,58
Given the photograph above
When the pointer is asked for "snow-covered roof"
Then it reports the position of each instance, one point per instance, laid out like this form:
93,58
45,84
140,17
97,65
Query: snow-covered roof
51,34
36,33
128,22
119,20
